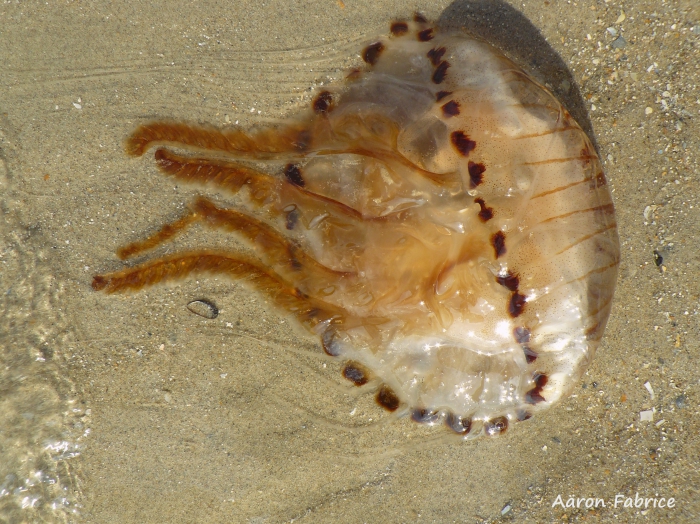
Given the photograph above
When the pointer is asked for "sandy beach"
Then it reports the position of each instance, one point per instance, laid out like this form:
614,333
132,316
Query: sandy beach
130,408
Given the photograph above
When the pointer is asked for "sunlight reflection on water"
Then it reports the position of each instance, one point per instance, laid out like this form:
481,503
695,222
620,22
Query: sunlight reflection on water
40,425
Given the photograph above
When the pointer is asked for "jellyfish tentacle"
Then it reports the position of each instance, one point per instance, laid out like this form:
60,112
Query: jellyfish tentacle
310,310
263,188
335,222
292,141
167,232
226,175
274,247
267,141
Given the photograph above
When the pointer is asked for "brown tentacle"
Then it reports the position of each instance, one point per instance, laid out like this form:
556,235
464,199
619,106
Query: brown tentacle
296,139
309,310
262,187
167,232
292,138
274,246
226,175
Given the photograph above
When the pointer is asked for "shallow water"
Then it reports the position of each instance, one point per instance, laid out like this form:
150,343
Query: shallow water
42,423
179,418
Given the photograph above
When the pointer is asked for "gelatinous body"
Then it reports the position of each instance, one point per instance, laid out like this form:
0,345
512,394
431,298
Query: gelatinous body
439,220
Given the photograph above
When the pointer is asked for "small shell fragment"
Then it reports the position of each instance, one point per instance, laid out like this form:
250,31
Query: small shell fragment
648,211
649,389
203,308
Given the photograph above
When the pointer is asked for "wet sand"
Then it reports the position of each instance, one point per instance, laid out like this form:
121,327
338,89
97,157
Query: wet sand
241,418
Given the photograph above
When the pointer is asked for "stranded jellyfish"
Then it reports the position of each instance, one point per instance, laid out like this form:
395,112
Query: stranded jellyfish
439,220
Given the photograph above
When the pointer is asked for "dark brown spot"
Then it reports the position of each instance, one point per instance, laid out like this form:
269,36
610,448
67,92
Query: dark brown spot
522,335
99,282
486,213
330,345
372,52
417,17
534,396
510,281
440,72
399,28
293,174
530,355
457,424
442,94
451,108
356,373
498,241
387,398
425,416
516,304
476,174
292,219
496,426
322,102
462,142
426,35
435,55
540,380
